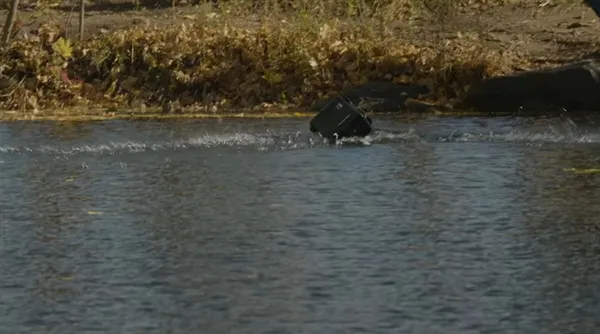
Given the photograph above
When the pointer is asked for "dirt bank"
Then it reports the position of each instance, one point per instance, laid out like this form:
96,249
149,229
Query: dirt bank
553,31
447,54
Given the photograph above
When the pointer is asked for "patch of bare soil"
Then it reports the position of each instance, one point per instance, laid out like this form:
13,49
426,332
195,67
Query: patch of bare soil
544,34
549,33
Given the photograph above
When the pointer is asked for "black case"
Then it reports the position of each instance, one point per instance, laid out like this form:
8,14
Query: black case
340,116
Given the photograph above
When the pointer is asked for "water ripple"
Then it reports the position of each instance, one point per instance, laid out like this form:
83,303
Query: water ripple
407,235
298,140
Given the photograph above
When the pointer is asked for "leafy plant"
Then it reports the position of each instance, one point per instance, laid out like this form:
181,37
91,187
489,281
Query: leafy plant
63,48
218,63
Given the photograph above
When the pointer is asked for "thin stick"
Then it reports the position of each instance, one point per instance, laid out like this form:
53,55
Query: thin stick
81,18
68,23
10,21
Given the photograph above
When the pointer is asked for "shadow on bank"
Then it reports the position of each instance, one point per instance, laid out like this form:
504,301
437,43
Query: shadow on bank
565,90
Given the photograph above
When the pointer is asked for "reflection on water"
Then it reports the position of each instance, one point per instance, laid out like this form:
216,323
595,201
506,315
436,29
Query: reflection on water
427,226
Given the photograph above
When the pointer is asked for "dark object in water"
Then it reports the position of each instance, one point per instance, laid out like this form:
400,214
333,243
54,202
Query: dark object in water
595,5
340,118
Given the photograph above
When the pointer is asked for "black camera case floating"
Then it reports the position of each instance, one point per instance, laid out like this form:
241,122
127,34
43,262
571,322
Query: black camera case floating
341,118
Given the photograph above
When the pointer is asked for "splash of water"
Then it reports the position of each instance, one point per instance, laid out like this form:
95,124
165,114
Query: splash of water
287,141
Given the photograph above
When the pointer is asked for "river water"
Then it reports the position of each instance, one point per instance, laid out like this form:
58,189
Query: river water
429,225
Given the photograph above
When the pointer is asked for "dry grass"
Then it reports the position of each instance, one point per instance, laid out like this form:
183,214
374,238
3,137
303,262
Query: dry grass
303,50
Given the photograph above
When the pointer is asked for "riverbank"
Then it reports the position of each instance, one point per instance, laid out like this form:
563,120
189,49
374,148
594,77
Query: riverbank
205,60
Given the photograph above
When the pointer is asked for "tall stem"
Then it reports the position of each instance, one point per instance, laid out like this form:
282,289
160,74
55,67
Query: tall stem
81,18
10,22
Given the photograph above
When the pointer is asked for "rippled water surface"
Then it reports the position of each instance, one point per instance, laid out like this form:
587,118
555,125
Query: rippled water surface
433,225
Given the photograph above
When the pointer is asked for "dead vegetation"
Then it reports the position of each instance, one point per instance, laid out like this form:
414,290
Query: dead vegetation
302,51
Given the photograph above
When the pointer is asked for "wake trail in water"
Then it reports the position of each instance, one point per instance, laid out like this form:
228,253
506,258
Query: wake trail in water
525,137
289,141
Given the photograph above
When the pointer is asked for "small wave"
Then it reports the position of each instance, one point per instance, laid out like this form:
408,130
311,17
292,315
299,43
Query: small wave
525,137
380,137
299,140
260,141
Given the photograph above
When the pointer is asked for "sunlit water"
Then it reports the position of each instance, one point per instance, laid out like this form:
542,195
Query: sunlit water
258,226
